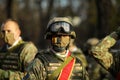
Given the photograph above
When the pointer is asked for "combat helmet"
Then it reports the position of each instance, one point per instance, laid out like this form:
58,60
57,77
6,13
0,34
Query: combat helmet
60,25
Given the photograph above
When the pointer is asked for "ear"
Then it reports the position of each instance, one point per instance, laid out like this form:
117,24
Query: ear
18,33
73,35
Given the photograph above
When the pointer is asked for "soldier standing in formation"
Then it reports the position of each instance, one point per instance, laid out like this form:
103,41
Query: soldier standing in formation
108,58
15,54
57,62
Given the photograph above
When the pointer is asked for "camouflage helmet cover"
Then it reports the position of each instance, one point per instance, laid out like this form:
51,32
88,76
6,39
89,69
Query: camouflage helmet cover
59,19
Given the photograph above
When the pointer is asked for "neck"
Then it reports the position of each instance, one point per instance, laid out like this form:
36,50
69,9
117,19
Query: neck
64,52
61,54
15,43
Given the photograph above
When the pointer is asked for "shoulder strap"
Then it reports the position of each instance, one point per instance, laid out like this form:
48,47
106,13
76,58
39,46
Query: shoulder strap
43,58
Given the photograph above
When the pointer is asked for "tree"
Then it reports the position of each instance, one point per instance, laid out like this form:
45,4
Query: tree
105,17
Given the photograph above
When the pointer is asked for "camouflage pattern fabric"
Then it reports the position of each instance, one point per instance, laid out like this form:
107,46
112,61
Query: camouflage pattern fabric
46,63
79,54
23,53
96,71
101,52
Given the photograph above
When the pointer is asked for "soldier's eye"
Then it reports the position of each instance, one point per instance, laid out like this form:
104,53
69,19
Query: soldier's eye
8,31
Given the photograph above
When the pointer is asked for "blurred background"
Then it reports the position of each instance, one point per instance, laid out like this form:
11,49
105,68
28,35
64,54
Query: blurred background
91,18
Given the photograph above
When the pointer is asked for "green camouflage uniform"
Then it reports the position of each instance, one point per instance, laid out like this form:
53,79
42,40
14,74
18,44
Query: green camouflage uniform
79,54
101,52
95,70
47,62
13,61
50,63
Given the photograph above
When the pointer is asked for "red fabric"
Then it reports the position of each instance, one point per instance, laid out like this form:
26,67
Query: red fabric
69,53
66,70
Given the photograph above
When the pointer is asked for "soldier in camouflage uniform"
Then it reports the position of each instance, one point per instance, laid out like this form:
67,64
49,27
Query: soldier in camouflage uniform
95,70
107,57
57,62
16,54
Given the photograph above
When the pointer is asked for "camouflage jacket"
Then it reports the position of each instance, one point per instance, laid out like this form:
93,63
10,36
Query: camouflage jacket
101,52
79,54
47,62
14,60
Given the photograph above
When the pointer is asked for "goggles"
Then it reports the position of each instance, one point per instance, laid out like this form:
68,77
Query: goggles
58,25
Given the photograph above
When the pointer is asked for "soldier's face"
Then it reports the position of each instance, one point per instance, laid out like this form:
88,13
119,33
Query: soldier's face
61,40
10,32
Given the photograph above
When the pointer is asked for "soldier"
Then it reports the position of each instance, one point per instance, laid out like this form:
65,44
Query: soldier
57,62
108,58
95,71
15,54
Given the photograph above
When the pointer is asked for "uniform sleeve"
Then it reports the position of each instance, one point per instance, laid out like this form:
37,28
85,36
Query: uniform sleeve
85,74
36,71
11,75
28,53
101,51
